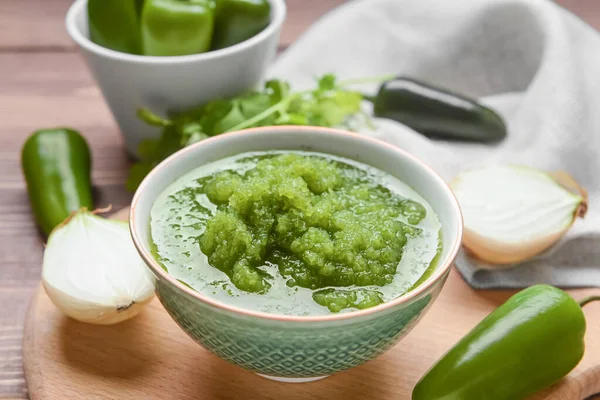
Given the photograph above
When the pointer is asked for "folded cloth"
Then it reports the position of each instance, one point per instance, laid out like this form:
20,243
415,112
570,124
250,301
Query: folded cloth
532,61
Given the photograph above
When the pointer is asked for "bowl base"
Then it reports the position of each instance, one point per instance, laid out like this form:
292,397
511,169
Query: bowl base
293,380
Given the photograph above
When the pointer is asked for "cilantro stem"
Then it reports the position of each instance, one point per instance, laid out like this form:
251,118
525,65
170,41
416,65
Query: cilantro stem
373,79
278,107
152,119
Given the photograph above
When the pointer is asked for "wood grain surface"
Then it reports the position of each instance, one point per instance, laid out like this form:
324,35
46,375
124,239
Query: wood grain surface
44,83
150,357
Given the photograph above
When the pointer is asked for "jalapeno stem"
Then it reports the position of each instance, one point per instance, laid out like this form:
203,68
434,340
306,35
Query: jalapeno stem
587,300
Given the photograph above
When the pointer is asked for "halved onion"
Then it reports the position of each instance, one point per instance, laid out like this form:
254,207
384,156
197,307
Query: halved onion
512,213
92,271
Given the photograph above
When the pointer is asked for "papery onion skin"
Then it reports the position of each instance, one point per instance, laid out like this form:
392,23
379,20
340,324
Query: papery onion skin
500,253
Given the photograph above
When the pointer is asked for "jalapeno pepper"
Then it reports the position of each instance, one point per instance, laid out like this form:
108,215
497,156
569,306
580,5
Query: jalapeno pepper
524,346
177,27
56,164
115,24
239,20
436,112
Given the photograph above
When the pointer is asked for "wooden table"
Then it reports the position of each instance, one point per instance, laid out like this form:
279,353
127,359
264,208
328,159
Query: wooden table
45,83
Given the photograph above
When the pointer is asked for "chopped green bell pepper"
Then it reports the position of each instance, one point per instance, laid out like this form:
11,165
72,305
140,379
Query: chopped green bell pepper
177,27
239,20
115,24
524,346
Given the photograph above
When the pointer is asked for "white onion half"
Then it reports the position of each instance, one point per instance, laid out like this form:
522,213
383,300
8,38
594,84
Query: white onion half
512,213
92,271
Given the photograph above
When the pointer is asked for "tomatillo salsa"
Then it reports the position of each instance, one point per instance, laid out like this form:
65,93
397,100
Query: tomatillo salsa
296,233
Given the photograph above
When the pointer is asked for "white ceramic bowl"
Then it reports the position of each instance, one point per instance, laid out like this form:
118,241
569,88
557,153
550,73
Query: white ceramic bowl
288,347
172,83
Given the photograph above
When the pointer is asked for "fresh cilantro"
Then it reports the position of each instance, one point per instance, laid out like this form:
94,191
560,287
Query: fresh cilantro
152,119
330,104
327,83
137,173
277,90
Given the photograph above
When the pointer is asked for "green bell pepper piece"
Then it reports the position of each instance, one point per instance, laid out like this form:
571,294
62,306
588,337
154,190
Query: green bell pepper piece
239,20
177,27
56,164
527,344
115,24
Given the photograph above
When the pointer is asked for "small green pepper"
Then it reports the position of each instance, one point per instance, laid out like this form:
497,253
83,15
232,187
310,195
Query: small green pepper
56,164
239,20
527,344
177,27
437,113
115,24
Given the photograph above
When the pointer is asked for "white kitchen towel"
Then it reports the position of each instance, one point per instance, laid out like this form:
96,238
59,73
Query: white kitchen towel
531,60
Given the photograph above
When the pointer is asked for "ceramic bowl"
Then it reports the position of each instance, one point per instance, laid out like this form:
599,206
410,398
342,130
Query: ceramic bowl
165,84
297,348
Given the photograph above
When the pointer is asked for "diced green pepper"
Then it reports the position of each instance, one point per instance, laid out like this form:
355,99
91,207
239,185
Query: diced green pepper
177,27
239,20
115,24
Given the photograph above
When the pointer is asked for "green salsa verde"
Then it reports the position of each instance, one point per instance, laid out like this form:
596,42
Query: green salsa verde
291,232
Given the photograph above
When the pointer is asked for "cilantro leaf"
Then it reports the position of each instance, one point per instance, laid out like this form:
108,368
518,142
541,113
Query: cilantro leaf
277,90
327,82
254,104
234,117
147,149
137,173
195,137
292,119
214,112
334,110
328,104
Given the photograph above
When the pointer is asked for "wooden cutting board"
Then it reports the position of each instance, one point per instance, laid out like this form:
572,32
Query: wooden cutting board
149,357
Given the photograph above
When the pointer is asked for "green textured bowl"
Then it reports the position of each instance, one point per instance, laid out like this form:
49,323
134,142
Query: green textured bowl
297,348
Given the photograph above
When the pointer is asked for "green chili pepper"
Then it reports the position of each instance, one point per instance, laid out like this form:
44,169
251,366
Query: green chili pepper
115,24
437,113
56,164
527,344
177,27
238,20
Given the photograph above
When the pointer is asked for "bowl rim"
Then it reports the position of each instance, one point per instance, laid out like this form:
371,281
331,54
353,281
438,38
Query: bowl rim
440,272
278,12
